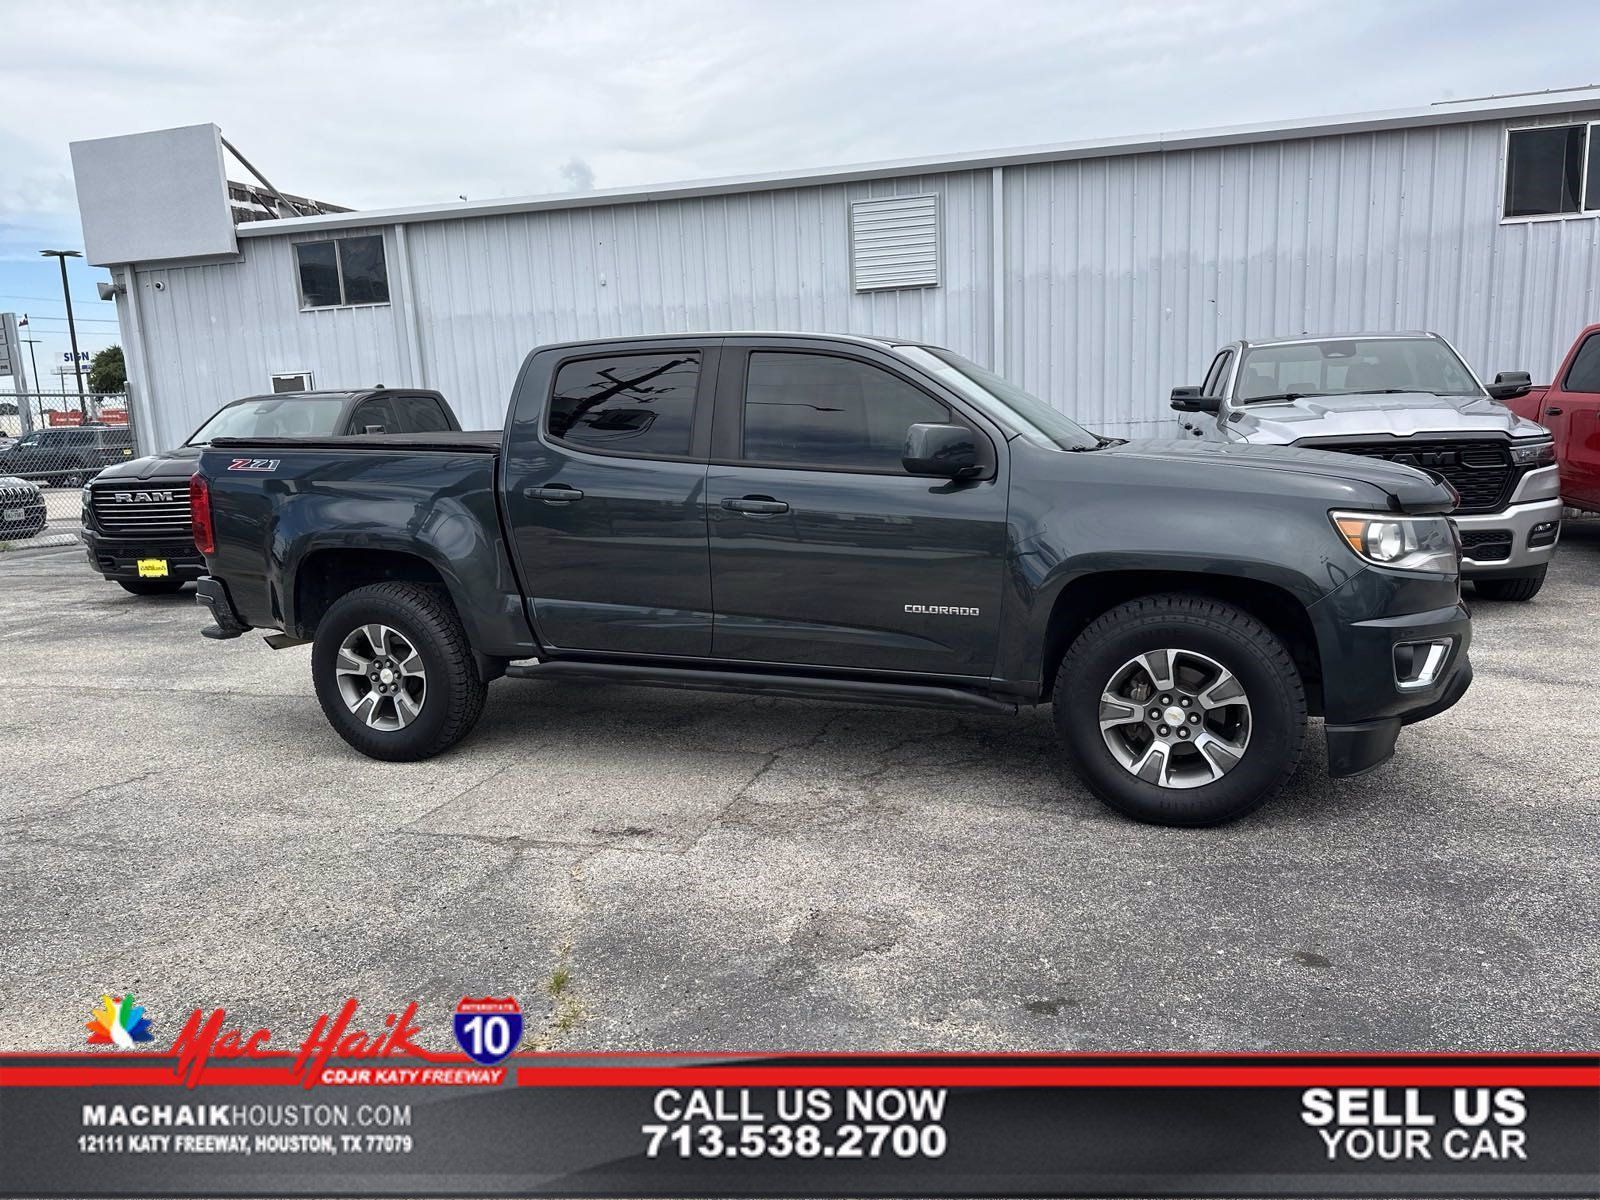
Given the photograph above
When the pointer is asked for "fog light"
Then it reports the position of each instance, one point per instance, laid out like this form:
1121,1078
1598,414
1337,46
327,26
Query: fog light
1544,533
1419,664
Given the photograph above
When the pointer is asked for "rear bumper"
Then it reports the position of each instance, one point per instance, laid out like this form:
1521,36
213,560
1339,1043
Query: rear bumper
212,595
118,558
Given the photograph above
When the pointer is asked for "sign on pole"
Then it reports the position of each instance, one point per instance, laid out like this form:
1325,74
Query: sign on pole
13,363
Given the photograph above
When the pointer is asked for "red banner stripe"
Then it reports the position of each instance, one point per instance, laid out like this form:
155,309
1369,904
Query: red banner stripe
1464,1075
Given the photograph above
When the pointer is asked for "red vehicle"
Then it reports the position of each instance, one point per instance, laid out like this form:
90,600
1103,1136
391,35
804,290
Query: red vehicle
1570,409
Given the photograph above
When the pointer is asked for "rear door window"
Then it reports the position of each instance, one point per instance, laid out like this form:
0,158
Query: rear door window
419,414
627,403
373,415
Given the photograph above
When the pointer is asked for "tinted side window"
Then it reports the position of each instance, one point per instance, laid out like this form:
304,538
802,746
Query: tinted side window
419,414
376,412
821,411
634,403
319,273
1584,375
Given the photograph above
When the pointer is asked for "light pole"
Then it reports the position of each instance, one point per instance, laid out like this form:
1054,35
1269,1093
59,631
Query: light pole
61,256
38,384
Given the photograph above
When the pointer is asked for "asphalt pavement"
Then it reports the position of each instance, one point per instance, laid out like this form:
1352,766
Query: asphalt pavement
669,870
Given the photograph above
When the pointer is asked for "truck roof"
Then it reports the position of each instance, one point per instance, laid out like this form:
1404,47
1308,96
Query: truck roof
1304,338
865,339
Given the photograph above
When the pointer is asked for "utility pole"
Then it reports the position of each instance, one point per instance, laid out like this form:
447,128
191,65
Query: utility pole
38,384
61,256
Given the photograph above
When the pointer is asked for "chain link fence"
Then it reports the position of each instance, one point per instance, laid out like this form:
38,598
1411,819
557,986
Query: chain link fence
51,444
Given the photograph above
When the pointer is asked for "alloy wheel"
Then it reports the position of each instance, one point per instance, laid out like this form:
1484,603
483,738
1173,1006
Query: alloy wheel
381,677
1175,718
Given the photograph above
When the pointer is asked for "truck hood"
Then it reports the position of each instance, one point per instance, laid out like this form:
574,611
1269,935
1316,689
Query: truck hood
1380,414
1411,489
176,464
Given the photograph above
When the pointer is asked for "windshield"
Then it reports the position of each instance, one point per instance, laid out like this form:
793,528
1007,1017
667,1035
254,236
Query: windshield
1002,400
272,416
1348,365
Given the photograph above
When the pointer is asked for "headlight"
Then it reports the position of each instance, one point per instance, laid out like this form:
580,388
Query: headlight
1403,543
1533,454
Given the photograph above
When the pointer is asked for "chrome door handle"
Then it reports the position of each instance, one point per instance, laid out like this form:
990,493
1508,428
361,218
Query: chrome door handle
559,494
756,505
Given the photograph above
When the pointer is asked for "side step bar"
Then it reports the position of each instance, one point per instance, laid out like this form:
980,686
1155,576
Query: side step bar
798,687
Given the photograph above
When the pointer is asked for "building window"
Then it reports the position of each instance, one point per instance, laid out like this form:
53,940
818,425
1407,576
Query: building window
291,381
627,404
348,270
894,243
1553,171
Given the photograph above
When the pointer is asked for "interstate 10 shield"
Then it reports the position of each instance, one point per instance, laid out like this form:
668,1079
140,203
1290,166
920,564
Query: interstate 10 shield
488,1029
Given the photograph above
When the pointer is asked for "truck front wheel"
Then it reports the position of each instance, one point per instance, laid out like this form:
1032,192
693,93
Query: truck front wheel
1180,710
394,672
1513,587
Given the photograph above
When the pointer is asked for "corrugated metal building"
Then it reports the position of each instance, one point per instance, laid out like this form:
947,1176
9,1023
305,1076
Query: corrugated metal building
1097,274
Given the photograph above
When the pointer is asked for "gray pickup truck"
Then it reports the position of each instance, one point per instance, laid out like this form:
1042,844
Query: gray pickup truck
1408,398
858,519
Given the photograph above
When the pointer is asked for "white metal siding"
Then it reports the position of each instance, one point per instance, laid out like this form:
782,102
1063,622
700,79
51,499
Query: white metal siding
1121,274
894,243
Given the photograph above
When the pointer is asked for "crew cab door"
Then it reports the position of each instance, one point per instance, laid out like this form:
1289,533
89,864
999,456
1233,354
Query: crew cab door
604,477
1572,414
824,550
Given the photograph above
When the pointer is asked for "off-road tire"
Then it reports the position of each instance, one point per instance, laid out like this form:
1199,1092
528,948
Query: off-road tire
151,587
1230,636
1515,587
425,617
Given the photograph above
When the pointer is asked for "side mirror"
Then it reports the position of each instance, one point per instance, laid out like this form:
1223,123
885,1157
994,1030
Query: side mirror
947,451
1189,399
1508,385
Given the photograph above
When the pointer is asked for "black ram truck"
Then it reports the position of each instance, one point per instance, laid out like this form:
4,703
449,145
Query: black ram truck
858,519
135,520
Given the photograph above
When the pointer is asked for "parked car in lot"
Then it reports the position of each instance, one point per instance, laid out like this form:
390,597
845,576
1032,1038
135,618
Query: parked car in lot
21,509
1570,409
1407,398
856,519
135,520
68,455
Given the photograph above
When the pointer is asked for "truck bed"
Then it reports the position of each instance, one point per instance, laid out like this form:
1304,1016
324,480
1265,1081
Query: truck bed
471,441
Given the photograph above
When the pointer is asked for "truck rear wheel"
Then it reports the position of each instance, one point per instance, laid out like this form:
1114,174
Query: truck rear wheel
1180,710
1517,587
394,672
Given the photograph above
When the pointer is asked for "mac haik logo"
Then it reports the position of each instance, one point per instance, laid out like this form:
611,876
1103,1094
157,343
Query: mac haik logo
488,1029
118,1022
208,1036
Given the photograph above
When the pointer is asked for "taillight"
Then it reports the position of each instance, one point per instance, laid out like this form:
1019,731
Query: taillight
205,538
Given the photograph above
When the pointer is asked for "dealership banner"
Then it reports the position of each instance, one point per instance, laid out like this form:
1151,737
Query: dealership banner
360,1109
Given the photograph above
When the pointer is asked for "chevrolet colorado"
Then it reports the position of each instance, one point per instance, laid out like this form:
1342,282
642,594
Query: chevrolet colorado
859,519
135,514
1407,398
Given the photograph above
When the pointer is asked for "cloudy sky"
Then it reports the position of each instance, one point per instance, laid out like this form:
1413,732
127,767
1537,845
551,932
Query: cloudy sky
378,104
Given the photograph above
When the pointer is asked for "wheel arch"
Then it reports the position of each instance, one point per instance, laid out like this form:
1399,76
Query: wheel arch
1086,597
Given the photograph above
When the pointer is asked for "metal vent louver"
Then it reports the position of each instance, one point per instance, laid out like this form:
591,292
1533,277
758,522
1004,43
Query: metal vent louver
894,243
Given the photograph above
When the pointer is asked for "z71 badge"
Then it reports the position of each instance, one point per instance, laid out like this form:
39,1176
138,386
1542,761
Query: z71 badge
254,464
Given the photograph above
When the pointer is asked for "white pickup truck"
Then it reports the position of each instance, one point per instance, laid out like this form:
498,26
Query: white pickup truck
1408,398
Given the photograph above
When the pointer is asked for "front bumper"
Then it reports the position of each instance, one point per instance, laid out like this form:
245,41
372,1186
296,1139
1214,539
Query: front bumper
1519,538
118,558
1366,694
33,520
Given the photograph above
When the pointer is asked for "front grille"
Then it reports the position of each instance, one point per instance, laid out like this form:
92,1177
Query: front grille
1479,470
143,512
1486,545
